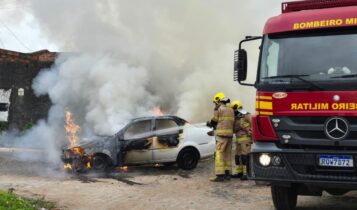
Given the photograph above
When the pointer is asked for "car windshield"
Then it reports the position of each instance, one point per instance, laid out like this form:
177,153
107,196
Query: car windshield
321,58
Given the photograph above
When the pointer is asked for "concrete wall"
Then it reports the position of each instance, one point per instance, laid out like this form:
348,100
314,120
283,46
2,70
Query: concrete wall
17,70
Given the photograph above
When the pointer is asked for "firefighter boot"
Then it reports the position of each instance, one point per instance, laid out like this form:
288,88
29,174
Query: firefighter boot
217,178
238,167
244,168
227,175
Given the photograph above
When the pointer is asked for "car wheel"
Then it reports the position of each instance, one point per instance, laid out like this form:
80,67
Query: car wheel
100,163
188,159
284,198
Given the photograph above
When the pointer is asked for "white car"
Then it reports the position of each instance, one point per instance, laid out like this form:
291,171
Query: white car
147,140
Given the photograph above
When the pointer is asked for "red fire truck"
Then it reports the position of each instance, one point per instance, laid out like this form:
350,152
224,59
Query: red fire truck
305,126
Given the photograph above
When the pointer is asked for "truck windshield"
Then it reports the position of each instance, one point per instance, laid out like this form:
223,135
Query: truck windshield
308,59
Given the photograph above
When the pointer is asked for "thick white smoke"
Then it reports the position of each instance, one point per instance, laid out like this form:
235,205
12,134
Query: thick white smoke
184,47
129,56
103,91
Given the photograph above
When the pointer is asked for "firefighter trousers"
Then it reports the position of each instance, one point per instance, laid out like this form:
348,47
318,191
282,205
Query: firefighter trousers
241,157
223,159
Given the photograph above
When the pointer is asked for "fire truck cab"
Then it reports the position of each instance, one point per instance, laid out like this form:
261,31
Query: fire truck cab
305,126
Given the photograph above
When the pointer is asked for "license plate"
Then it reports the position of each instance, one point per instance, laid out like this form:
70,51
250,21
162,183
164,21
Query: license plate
336,160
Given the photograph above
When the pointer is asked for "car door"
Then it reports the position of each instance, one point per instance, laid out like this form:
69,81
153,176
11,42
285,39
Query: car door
138,141
168,137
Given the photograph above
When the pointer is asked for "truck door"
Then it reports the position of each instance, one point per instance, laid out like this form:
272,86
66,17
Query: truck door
138,142
168,136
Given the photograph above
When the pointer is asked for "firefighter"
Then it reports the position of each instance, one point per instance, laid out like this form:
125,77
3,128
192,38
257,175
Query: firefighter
222,123
242,130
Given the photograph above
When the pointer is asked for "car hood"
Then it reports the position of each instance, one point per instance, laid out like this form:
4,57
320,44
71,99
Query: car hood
92,142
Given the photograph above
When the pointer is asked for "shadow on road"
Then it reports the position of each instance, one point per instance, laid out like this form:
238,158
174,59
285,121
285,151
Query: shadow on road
328,202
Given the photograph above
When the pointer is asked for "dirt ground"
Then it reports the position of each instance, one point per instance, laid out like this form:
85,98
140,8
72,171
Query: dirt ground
148,187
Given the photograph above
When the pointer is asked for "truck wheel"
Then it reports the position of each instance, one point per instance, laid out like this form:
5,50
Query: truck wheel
284,198
188,159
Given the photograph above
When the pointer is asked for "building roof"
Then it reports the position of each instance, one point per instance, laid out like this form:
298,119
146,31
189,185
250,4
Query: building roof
39,56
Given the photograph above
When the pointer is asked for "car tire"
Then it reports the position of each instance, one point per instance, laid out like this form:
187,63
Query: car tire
100,163
188,159
284,198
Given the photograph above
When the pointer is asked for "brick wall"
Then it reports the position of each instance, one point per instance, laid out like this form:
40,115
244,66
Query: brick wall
17,70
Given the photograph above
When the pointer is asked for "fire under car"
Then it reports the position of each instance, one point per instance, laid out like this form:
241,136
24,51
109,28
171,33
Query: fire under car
149,140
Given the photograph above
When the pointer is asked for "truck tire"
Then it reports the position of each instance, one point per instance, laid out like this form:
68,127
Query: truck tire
284,198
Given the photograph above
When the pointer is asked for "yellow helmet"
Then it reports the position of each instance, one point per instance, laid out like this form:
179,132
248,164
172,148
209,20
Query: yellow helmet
236,105
218,97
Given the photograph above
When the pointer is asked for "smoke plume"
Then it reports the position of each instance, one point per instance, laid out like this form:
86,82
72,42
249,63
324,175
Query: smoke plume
140,54
128,57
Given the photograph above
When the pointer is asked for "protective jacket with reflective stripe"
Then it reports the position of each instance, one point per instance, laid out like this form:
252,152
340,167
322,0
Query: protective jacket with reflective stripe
242,128
224,117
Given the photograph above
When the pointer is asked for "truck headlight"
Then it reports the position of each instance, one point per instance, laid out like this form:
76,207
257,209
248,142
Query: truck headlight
264,159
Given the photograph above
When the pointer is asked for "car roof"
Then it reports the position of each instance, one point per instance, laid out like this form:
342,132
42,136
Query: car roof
157,117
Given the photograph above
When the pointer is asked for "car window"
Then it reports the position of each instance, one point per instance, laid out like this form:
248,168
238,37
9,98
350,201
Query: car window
166,126
140,129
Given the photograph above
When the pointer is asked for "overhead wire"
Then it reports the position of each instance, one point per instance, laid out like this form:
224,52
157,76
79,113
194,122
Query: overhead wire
9,6
14,35
2,43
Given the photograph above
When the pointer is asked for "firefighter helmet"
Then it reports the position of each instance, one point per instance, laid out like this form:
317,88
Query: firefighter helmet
218,97
236,105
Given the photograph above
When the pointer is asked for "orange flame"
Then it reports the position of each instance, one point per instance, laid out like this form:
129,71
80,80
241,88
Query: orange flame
71,129
122,168
67,166
157,111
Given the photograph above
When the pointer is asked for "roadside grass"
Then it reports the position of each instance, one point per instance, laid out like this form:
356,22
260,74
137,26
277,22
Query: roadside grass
10,201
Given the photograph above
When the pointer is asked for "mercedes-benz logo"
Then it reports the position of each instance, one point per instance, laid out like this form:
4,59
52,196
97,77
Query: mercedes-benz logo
336,98
336,128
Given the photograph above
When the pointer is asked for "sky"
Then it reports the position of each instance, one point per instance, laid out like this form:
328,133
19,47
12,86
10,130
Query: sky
19,31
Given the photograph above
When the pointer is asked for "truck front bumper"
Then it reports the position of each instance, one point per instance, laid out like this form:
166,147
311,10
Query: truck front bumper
289,166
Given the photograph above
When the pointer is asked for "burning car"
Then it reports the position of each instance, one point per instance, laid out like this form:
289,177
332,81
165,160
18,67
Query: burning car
147,140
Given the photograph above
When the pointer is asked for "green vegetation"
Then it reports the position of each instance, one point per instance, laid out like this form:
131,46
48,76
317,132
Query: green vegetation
3,126
9,201
27,126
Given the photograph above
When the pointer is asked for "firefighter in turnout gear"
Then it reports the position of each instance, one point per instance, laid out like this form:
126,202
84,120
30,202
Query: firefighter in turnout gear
242,130
222,123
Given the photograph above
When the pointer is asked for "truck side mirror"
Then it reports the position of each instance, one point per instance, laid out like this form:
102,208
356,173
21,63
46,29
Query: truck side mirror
240,65
241,61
